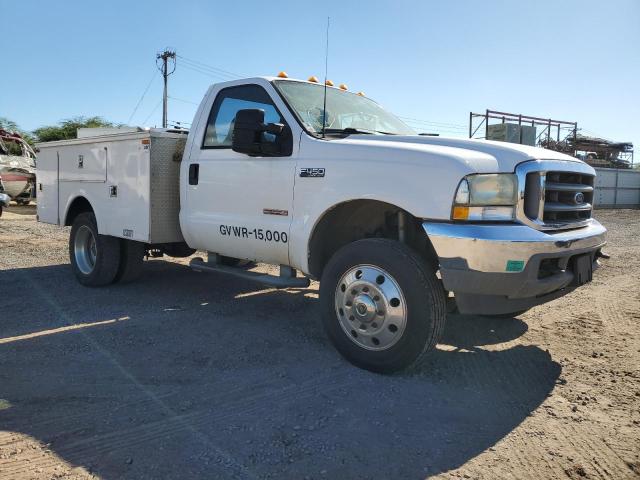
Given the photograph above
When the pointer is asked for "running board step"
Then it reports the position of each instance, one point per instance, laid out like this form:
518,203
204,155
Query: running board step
283,281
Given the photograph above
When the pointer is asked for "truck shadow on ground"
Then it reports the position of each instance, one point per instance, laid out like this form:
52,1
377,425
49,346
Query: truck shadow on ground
185,375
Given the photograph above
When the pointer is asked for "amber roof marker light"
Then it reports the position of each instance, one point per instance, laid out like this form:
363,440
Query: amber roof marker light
313,79
283,74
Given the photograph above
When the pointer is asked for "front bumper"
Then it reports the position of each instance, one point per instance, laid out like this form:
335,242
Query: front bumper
502,268
4,200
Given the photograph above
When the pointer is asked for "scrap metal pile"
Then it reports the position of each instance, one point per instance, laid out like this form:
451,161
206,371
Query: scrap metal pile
17,169
598,152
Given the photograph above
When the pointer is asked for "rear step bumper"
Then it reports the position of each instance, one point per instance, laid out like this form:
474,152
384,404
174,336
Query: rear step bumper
283,281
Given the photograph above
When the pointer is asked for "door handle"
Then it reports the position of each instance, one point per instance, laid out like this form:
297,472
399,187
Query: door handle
194,172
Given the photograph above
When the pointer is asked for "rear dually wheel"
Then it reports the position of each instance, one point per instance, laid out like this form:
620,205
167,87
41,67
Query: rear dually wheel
94,258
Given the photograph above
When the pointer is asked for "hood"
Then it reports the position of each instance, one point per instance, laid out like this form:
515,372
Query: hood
482,156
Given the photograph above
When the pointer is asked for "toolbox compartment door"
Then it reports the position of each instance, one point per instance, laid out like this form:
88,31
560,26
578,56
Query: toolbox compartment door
83,163
47,192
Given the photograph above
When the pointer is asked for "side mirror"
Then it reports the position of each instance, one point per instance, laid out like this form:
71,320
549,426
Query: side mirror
249,137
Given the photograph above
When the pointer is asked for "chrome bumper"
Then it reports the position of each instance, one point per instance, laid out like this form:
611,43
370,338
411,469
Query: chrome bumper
504,262
489,248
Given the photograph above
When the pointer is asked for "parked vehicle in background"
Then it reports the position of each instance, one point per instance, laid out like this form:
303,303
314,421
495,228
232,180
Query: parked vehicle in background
4,201
393,224
17,168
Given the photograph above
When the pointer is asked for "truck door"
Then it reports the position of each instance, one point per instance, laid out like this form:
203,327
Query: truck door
237,205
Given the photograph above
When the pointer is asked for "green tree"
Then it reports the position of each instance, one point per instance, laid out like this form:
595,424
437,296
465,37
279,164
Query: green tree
11,126
68,128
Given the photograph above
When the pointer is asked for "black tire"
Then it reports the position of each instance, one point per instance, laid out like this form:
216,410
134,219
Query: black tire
104,268
417,283
507,315
131,261
178,250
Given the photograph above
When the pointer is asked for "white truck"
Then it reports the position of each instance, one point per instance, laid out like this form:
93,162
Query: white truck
396,226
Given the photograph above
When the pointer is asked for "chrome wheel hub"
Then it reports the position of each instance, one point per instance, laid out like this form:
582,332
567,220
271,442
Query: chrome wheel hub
371,308
85,250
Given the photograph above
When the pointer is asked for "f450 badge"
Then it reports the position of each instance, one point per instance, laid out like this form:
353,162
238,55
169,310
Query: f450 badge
311,172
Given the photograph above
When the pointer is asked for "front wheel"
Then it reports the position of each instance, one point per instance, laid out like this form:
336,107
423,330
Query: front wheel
94,258
382,305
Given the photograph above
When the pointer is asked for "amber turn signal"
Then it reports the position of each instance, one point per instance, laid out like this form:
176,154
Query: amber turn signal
460,212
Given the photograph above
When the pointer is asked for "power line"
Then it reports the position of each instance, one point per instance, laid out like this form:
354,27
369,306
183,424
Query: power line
226,75
211,67
142,97
152,111
183,100
439,127
205,72
430,122
208,71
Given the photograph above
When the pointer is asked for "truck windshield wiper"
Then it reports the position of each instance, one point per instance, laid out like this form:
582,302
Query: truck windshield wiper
354,131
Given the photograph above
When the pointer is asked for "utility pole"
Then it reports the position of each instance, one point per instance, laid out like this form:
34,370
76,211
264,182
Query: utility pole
162,61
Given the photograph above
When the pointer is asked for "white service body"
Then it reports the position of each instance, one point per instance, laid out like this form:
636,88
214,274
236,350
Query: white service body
129,179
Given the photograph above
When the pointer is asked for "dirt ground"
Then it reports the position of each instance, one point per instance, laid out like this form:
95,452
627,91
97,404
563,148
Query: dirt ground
187,375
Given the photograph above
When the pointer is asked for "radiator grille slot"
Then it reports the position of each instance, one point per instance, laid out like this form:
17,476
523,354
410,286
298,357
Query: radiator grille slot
568,197
558,199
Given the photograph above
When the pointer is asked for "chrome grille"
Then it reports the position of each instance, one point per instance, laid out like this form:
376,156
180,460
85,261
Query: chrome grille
555,195
568,197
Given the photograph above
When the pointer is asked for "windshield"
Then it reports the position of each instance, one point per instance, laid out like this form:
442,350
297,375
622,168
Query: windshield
345,110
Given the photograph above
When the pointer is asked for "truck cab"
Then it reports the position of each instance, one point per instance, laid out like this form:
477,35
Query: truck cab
397,227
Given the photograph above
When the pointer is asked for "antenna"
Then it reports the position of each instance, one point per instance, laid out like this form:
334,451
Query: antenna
326,67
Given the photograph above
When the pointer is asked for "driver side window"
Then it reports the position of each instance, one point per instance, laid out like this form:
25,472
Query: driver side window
226,105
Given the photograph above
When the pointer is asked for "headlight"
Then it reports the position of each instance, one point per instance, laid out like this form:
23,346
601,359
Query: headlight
489,197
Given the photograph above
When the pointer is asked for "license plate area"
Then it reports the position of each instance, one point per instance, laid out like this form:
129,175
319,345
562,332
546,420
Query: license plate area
582,267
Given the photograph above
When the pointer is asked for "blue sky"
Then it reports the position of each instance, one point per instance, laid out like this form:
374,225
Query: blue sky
433,61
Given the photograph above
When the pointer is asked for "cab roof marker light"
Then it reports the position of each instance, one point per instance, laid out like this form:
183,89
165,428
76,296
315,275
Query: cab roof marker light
343,86
361,94
313,79
283,74
329,83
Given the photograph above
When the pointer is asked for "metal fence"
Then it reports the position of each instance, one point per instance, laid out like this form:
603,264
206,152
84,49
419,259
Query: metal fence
617,188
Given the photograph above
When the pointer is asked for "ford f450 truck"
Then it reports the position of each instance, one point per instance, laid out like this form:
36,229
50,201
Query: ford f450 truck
395,225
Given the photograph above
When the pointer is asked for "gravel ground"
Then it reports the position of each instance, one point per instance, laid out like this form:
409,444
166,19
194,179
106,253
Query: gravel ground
186,375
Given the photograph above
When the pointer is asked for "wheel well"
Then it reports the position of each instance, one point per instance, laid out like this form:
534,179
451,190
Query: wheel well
78,206
358,219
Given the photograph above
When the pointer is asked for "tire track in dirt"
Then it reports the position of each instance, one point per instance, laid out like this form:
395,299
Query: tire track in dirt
235,467
92,448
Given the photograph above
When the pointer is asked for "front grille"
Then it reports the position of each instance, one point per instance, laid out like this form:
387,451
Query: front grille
557,199
568,197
